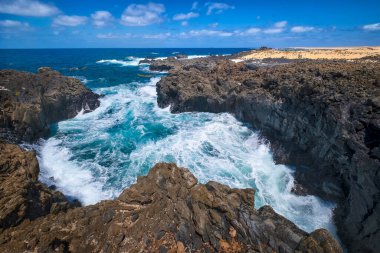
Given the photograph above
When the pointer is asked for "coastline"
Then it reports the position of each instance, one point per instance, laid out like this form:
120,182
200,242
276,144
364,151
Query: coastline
314,53
284,101
232,237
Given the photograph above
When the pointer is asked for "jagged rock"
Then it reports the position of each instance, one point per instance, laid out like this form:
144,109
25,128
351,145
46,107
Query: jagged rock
181,56
146,61
29,103
168,211
22,197
322,116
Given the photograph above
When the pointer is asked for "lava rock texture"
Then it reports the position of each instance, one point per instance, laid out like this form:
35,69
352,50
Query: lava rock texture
168,211
322,116
29,102
22,197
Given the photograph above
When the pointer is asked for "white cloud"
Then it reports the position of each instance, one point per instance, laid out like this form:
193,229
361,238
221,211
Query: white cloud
101,18
27,8
64,20
184,23
252,31
280,24
206,32
114,36
278,27
194,6
13,24
185,16
213,25
142,15
157,36
372,27
218,8
302,29
273,30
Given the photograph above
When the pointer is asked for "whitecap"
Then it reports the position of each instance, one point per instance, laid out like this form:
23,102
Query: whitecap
96,155
131,61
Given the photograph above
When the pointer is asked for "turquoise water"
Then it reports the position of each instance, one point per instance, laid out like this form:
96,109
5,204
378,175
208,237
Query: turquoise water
95,156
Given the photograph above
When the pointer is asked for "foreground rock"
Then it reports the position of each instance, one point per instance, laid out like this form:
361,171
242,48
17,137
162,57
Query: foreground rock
322,116
22,197
168,211
29,103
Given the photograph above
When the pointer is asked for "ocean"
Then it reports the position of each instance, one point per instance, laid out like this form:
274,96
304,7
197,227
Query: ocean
94,156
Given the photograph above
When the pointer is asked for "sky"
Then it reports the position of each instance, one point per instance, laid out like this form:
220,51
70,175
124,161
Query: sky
181,23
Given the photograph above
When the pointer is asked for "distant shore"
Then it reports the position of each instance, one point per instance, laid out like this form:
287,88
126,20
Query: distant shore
330,53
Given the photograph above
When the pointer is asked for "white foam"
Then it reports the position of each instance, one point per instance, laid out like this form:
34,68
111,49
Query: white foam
237,60
75,181
196,56
131,61
83,79
214,146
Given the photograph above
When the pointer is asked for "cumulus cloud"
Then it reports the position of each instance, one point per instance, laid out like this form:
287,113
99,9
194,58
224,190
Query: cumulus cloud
273,30
13,24
206,32
101,18
185,16
184,23
372,27
218,8
157,36
302,29
64,20
31,8
142,15
251,31
278,27
280,24
114,36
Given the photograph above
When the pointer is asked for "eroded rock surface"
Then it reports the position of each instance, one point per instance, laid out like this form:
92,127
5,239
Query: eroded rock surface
168,211
29,102
22,197
322,116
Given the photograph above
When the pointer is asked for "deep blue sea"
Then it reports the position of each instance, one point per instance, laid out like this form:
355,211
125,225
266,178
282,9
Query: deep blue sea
95,156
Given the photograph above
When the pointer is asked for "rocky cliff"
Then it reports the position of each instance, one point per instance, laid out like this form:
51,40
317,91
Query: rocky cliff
168,211
22,197
29,103
322,116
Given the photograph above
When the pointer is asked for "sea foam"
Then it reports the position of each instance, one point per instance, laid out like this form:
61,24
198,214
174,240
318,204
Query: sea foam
96,155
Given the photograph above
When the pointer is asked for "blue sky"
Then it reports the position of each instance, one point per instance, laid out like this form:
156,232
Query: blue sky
121,23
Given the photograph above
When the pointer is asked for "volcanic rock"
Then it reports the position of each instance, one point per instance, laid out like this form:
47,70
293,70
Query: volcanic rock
321,116
168,211
29,102
22,197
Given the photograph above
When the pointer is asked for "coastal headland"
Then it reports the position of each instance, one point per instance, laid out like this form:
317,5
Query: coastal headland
320,115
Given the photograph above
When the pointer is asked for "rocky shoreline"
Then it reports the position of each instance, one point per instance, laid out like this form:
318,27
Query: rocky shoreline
29,103
165,211
321,116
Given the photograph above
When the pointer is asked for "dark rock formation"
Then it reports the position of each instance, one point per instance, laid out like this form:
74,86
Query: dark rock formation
322,116
22,197
146,61
29,103
181,56
167,211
